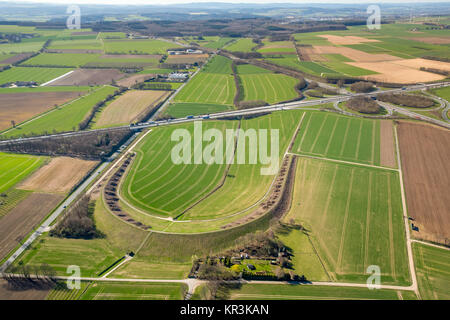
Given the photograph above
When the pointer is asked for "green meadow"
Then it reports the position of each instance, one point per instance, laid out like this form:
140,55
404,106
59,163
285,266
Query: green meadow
354,218
39,75
329,135
433,272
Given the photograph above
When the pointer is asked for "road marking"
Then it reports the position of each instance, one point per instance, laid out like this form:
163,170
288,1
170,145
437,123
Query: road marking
57,78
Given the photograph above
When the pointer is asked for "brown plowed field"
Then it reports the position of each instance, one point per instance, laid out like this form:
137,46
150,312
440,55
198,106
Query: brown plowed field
58,176
356,55
425,155
23,106
310,54
23,218
346,40
393,72
86,77
387,150
16,58
418,63
7,293
130,106
132,80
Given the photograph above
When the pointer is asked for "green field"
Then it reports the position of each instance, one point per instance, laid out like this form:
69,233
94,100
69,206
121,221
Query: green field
183,109
39,75
243,69
242,45
21,47
433,272
218,64
347,69
292,62
138,46
65,118
89,44
61,59
213,85
208,88
305,292
305,260
216,42
339,137
354,217
134,291
112,35
61,292
15,167
155,184
245,184
442,92
268,87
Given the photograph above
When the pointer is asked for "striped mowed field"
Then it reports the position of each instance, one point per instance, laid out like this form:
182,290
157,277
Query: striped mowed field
133,291
354,217
433,271
157,185
245,184
261,84
214,84
329,135
208,87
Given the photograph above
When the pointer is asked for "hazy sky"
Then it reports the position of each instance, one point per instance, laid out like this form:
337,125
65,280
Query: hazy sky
127,2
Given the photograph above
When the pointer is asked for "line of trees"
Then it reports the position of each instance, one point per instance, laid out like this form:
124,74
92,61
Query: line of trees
407,100
84,124
78,222
24,277
95,145
154,86
362,87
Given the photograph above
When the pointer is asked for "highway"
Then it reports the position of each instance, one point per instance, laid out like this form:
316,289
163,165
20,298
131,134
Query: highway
270,108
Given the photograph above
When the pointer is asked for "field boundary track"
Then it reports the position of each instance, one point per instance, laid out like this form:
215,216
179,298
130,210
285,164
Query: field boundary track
412,268
57,78
343,161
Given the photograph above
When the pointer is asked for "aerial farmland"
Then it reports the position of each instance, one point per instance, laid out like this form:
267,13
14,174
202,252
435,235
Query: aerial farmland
260,157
